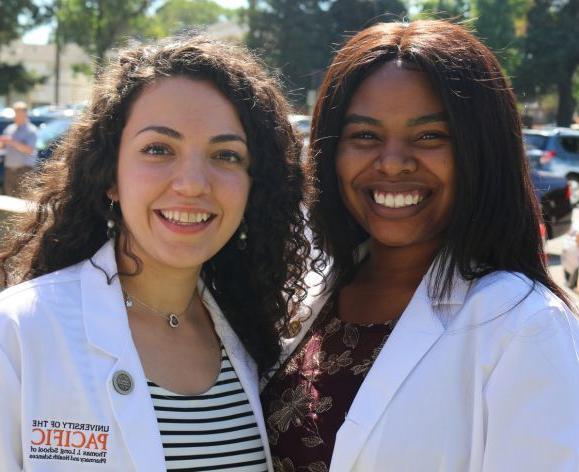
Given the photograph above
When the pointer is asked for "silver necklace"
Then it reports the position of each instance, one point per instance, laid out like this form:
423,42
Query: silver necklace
171,317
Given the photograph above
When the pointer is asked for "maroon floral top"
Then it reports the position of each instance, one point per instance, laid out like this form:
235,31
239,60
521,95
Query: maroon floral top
307,399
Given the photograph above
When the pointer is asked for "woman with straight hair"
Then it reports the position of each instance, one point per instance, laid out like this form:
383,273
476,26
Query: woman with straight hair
164,245
440,342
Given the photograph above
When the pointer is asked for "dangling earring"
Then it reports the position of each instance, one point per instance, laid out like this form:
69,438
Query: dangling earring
242,236
111,225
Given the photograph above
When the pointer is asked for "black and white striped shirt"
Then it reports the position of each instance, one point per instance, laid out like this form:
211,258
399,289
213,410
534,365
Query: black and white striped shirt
212,431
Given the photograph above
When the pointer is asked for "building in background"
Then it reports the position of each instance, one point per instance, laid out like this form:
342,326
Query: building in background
74,87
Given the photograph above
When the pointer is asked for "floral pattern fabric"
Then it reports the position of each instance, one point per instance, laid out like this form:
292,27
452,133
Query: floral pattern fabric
306,401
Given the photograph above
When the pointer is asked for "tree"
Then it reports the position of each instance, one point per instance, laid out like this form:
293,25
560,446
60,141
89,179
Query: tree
348,17
551,54
443,8
98,25
298,36
17,16
497,23
177,15
293,36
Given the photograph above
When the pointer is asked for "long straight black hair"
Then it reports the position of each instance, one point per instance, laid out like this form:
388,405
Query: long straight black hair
495,220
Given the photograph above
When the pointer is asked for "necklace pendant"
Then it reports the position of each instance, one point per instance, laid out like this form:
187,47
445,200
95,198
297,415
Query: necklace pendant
173,320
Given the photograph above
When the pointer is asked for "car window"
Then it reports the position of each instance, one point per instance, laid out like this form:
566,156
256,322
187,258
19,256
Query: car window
51,131
536,141
570,144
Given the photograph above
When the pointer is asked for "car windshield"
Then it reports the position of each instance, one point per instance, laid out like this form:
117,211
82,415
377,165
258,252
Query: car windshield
535,141
50,131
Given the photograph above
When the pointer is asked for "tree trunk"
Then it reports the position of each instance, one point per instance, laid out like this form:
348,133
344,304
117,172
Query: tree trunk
567,103
57,51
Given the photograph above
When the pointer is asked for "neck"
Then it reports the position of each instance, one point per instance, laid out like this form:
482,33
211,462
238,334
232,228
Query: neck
159,288
399,265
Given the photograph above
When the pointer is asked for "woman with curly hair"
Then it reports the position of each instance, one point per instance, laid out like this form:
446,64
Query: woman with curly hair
440,343
164,246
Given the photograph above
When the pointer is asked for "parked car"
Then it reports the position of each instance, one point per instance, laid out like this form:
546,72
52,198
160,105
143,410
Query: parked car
49,135
570,257
557,151
553,193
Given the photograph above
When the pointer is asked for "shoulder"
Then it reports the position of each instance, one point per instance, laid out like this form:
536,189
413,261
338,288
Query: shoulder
29,298
10,128
518,304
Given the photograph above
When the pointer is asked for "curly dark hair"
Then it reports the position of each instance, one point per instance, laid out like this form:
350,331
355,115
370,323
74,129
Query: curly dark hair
495,218
258,288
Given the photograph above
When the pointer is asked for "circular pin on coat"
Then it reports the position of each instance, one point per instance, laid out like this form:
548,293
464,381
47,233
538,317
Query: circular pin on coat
123,382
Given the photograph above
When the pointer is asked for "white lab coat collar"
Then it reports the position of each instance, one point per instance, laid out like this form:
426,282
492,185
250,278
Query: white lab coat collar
107,328
420,326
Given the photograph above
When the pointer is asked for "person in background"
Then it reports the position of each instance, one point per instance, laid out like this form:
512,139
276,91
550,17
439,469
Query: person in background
165,245
440,342
19,142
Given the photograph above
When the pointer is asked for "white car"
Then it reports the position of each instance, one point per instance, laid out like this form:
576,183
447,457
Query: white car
570,257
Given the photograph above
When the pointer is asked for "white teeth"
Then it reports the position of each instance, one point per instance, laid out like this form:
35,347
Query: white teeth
183,218
397,200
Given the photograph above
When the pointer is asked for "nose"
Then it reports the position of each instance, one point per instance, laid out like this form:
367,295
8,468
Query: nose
395,159
191,177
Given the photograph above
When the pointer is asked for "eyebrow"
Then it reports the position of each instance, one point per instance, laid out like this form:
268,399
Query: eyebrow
361,119
354,119
172,133
222,138
161,130
421,120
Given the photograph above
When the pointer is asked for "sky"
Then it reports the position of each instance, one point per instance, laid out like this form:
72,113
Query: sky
40,35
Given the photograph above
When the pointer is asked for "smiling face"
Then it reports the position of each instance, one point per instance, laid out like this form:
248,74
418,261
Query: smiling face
182,177
395,160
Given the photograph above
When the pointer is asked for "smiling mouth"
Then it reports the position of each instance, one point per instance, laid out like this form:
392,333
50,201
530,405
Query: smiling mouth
184,218
398,199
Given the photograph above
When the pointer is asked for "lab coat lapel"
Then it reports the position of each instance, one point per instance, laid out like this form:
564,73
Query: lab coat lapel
415,333
107,329
240,360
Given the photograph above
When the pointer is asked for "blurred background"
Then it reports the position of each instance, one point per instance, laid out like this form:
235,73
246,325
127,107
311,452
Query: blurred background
50,51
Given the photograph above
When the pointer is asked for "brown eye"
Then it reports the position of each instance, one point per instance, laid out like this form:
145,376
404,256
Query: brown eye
156,150
432,136
228,155
363,135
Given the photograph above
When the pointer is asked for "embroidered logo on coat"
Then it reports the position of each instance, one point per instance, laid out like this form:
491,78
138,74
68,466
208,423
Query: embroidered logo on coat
69,441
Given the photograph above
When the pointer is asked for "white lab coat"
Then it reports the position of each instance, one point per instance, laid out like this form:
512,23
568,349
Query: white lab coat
63,336
487,381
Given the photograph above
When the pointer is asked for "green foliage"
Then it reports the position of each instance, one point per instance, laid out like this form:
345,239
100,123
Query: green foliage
15,78
16,16
348,17
298,36
440,9
551,53
176,15
496,23
98,25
